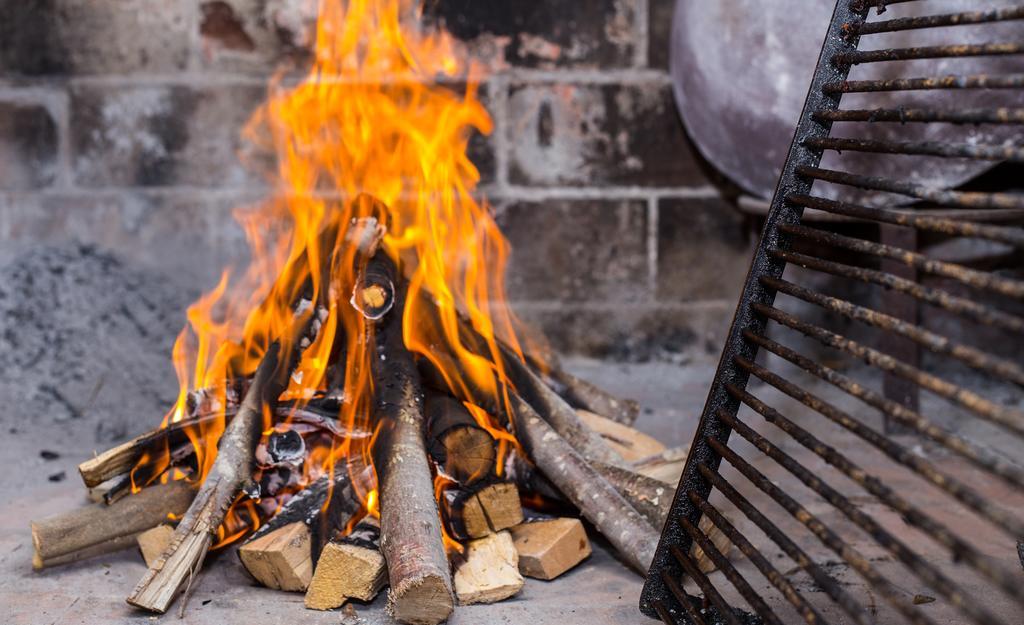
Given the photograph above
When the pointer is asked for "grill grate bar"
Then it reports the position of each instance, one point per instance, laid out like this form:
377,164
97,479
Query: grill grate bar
739,582
970,277
912,515
1003,115
790,548
777,579
710,592
951,81
962,493
821,531
910,418
925,571
1011,420
1010,236
856,57
1004,202
683,599
970,356
919,148
932,21
936,297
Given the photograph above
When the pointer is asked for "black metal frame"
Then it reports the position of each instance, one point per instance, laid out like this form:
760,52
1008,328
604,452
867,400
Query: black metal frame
663,595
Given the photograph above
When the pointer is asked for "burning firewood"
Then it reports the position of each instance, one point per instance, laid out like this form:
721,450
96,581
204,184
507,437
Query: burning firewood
280,559
490,570
462,449
482,510
231,474
586,396
411,540
549,547
98,528
350,567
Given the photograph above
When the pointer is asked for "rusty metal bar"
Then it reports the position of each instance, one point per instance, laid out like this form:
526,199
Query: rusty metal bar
952,81
920,148
879,5
976,455
857,57
1002,115
943,225
912,515
970,277
777,579
902,307
970,356
667,618
919,567
934,21
941,197
710,592
1011,420
729,571
830,587
682,598
822,532
935,297
959,491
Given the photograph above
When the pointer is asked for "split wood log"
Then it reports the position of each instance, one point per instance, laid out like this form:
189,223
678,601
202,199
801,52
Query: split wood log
490,571
549,547
629,443
231,473
666,466
411,540
484,510
631,535
98,528
462,449
281,558
587,396
154,541
311,507
350,567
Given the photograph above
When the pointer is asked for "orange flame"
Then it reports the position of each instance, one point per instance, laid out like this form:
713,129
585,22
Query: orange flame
381,111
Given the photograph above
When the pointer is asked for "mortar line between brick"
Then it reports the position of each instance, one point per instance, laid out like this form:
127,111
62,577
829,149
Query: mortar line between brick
514,192
640,52
64,165
652,247
499,94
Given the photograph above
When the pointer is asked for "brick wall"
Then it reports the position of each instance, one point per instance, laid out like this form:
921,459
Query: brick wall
119,125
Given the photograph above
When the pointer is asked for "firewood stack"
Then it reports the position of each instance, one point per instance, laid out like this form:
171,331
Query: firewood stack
429,500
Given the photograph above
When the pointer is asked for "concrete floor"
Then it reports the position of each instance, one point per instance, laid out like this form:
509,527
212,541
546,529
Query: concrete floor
601,591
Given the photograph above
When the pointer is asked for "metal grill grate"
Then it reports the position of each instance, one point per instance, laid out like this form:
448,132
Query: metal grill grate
884,315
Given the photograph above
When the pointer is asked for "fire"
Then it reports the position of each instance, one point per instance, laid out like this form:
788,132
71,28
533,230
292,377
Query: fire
387,109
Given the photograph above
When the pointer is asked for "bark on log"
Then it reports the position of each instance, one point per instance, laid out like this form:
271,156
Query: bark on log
231,473
350,567
582,394
666,466
100,528
633,537
629,443
460,447
650,497
411,540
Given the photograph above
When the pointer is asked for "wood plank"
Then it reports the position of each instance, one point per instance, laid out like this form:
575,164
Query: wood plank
350,567
281,559
628,442
550,547
490,571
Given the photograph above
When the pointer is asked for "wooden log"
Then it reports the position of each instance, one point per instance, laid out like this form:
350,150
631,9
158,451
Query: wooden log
374,292
411,540
280,559
350,567
231,473
631,535
666,466
154,541
484,510
582,394
490,571
629,443
549,547
98,528
461,448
